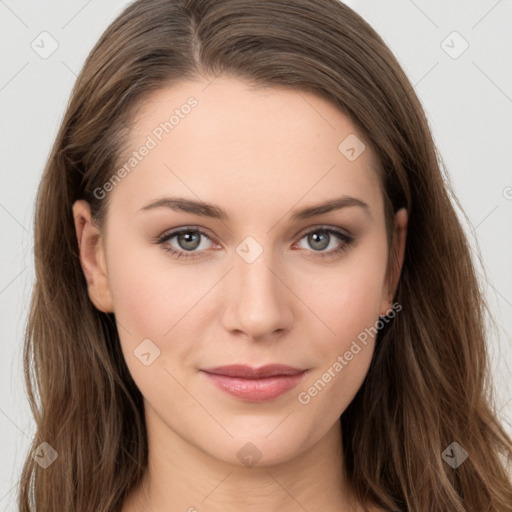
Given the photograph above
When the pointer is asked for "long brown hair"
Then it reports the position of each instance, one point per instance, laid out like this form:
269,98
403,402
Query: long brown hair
428,385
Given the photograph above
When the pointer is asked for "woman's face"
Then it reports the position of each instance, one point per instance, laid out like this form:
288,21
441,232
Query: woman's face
255,285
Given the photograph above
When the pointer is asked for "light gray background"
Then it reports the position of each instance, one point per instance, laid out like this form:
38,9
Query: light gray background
468,101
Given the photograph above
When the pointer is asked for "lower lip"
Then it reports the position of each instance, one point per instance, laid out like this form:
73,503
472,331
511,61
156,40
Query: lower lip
256,390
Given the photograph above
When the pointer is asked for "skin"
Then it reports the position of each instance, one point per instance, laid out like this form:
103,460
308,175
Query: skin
259,154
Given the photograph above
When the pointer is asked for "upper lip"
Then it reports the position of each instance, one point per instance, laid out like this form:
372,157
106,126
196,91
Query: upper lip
248,372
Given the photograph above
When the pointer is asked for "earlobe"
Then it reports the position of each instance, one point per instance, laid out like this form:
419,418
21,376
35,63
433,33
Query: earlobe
397,259
92,257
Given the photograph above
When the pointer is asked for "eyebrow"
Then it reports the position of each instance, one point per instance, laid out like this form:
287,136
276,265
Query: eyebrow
204,209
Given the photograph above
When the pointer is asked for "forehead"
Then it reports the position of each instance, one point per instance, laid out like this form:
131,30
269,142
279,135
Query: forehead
223,139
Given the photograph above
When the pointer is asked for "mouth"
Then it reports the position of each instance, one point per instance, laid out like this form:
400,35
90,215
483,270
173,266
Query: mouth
255,384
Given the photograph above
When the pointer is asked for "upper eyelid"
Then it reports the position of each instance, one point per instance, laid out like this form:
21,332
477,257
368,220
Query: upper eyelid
171,233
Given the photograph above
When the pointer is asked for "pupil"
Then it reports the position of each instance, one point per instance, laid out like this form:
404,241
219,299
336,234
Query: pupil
318,239
189,239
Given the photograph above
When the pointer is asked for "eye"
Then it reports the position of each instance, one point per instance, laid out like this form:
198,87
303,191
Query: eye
188,239
322,237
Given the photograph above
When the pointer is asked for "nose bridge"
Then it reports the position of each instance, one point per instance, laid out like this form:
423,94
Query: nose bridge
259,300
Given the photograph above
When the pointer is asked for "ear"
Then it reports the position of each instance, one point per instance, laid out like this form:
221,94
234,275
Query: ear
397,259
92,257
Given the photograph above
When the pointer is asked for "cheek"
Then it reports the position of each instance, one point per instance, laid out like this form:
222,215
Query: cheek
352,298
151,293
152,301
155,299
350,313
349,307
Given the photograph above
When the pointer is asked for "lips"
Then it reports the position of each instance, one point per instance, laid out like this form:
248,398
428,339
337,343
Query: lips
255,384
247,372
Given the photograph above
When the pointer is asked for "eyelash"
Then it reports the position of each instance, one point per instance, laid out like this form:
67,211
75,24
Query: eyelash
187,255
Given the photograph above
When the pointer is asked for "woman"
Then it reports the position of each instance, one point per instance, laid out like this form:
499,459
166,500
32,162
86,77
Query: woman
252,289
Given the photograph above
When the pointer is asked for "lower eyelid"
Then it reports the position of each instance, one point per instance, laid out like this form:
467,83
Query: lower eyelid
344,239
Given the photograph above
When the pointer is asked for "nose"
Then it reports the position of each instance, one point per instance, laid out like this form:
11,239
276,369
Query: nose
260,304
